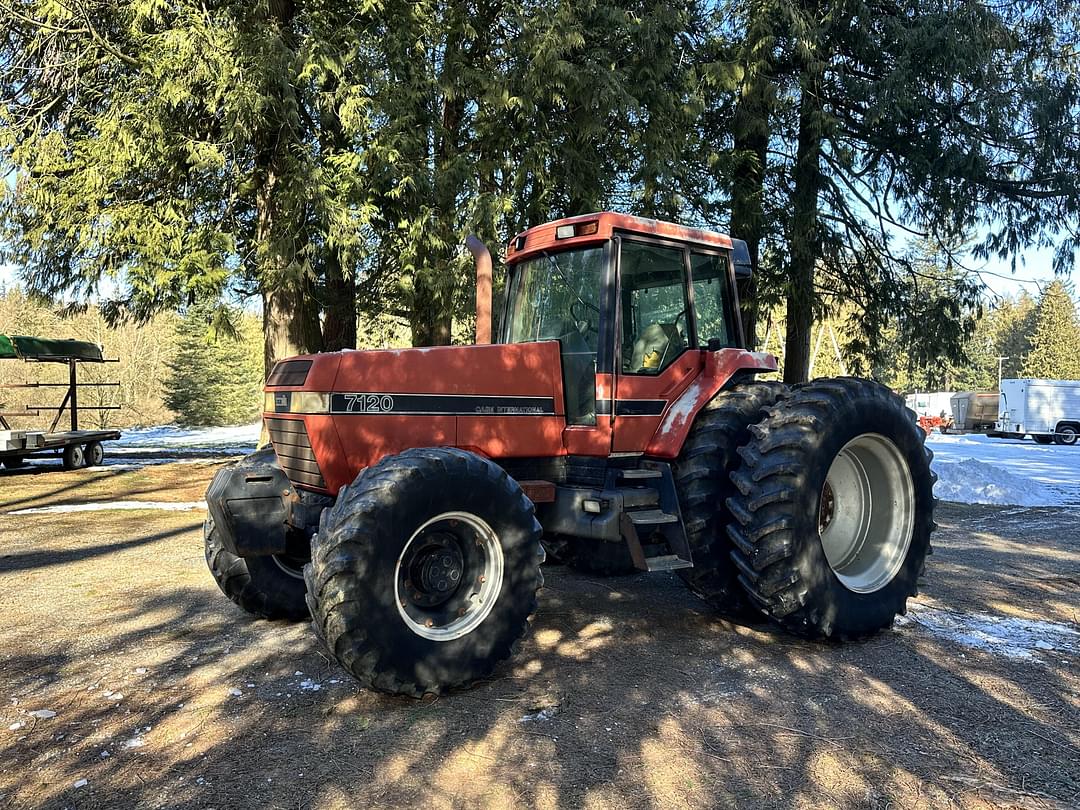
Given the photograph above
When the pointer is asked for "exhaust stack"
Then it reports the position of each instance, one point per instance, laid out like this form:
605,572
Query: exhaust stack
482,256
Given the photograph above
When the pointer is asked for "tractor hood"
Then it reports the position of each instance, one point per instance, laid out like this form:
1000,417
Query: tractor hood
331,415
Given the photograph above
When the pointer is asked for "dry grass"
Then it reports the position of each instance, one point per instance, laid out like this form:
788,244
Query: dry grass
650,700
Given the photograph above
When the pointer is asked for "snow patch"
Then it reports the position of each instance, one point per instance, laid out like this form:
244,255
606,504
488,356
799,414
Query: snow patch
1050,473
1001,635
168,506
310,685
540,716
43,714
974,481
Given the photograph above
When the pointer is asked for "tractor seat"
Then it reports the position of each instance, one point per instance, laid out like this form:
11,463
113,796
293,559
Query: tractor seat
655,346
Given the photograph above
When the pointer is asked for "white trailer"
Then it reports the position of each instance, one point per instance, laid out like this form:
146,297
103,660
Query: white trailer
1047,410
930,403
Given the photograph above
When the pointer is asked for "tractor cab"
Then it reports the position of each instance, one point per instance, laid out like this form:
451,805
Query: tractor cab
634,304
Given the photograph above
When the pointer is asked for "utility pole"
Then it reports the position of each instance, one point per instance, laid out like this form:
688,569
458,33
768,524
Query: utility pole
1000,361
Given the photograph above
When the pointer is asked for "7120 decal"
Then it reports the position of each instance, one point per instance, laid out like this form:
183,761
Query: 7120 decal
365,403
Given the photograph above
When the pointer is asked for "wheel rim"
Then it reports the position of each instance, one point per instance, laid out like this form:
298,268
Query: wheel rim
293,566
1068,435
97,454
448,576
866,514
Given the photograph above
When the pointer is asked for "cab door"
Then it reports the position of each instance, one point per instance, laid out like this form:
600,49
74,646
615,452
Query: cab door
656,346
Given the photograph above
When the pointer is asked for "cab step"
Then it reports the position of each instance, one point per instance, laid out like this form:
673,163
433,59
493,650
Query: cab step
638,475
667,562
651,517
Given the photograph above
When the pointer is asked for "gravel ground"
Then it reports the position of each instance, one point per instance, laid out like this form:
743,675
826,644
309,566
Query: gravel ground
628,693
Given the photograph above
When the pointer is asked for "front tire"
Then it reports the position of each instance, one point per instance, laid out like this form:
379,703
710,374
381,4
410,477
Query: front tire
269,587
424,574
834,510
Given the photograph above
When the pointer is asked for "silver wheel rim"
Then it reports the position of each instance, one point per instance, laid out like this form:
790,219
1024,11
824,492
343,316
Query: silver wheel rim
289,565
96,455
472,599
866,513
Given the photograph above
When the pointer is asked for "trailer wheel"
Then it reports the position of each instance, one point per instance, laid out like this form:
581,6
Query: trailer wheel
424,574
834,510
14,462
74,457
702,480
1066,434
600,558
270,587
94,454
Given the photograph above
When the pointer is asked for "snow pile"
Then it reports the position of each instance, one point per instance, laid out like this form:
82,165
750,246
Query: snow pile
1003,635
980,469
972,481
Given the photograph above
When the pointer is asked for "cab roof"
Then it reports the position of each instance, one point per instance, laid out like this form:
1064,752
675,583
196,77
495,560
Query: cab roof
530,242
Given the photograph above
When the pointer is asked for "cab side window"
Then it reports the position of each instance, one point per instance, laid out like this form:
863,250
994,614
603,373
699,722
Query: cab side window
655,322
711,304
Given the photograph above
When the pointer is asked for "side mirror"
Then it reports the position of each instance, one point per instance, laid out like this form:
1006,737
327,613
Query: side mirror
740,257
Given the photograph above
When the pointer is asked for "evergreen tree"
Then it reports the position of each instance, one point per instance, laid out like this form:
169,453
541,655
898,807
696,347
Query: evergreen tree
215,378
1055,344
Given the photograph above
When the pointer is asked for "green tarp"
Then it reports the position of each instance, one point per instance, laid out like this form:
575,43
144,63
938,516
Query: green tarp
20,347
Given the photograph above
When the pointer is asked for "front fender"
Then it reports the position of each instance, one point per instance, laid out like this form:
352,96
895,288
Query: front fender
249,503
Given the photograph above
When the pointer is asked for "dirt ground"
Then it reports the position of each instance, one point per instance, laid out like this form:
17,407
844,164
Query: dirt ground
628,692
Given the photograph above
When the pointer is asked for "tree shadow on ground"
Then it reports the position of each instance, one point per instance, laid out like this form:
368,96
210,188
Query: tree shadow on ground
628,693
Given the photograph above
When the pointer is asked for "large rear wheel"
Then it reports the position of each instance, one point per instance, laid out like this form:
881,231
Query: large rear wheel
424,574
703,482
834,510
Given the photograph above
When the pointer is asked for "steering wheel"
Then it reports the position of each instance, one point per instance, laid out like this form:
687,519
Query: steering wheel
682,332
580,316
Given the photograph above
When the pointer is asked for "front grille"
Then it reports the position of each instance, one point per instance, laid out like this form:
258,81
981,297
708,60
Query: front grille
294,452
289,372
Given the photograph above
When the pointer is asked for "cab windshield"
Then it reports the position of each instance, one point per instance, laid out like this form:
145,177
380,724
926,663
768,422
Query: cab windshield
556,296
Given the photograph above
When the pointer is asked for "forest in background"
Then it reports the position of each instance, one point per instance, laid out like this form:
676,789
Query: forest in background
328,159
194,370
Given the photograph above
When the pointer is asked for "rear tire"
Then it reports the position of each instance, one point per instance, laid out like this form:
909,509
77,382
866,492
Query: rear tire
1039,439
703,482
94,454
1066,435
815,549
599,558
267,587
74,457
424,574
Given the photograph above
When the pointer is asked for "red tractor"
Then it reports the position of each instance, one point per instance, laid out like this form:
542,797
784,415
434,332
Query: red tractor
616,420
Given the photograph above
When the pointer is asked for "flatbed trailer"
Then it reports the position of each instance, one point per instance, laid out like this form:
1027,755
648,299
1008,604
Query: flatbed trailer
77,448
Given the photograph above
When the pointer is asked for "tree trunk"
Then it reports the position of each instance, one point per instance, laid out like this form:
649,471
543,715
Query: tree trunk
804,223
750,125
429,318
339,316
290,323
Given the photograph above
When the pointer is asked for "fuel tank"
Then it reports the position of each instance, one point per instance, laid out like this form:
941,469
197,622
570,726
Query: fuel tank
331,415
